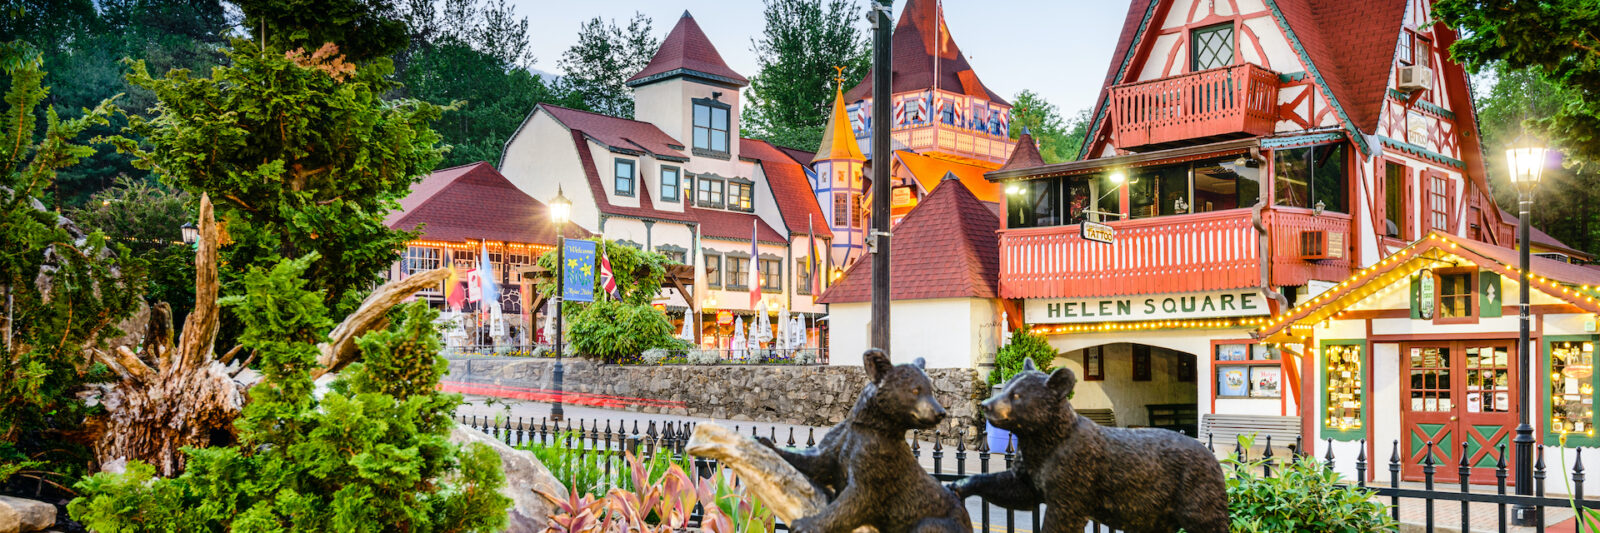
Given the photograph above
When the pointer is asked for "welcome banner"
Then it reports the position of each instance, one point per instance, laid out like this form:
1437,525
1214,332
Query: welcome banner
579,271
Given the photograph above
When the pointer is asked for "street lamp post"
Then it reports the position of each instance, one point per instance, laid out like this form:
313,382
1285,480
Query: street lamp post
1525,158
560,210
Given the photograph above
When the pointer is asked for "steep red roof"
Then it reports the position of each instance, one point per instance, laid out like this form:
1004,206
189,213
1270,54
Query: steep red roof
1026,155
1542,239
921,22
719,224
687,52
1355,60
1131,28
597,188
473,202
790,188
797,154
619,133
944,248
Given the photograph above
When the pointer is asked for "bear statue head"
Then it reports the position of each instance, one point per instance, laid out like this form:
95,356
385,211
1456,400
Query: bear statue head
1032,400
898,397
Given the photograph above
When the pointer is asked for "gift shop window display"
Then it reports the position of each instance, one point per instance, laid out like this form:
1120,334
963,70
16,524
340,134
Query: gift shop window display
1246,370
1569,385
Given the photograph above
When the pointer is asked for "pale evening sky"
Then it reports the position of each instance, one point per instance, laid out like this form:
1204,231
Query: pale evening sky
1057,48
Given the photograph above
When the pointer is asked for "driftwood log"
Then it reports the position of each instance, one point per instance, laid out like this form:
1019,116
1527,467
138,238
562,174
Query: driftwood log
179,393
782,488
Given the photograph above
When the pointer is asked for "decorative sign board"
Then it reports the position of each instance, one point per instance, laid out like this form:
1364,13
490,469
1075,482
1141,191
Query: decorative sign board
1095,231
1189,305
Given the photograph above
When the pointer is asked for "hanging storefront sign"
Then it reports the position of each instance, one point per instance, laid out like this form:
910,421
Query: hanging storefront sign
1095,231
724,317
578,270
1213,304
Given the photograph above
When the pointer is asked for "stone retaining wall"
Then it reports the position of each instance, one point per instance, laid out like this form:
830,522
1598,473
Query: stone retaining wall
813,395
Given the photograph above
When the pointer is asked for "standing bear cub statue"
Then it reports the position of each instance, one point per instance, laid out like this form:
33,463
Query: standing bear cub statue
867,466
1136,480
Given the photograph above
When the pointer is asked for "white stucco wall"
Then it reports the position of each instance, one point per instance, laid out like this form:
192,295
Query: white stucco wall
542,158
1120,393
947,332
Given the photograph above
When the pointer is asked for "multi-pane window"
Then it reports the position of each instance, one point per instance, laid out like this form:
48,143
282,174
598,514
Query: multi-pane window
677,256
771,274
1455,295
802,275
740,196
624,177
858,212
1405,51
1212,47
671,183
1439,203
713,270
710,192
464,259
421,259
1394,200
841,209
738,272
513,260
1311,177
711,126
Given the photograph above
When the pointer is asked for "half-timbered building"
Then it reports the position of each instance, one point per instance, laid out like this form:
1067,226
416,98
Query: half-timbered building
1244,157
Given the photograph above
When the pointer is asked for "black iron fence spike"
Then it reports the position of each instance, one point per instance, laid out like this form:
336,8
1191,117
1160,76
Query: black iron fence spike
1500,462
1328,457
1428,460
1577,474
791,436
811,437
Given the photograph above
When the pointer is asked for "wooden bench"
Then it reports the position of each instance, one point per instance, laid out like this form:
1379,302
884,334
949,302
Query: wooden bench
1104,417
1179,417
1226,429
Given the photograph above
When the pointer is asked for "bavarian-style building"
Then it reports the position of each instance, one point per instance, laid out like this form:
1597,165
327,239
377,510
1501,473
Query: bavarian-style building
1245,157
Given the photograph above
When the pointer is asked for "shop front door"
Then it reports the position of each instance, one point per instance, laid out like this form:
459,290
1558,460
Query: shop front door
1455,393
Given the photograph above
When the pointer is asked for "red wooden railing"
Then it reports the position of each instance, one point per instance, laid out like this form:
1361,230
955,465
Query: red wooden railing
1207,251
1222,101
1286,226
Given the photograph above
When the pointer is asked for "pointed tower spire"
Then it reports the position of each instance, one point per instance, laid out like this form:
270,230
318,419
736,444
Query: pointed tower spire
687,52
1026,155
838,140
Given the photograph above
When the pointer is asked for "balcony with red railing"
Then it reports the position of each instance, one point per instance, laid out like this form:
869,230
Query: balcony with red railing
1218,250
1209,105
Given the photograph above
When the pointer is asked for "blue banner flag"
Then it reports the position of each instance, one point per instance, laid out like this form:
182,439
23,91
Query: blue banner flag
579,271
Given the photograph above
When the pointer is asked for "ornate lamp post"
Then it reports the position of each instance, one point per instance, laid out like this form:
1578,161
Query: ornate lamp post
1525,158
560,210
191,234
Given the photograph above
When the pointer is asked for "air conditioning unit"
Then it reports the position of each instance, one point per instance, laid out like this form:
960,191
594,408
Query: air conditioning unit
1321,244
1415,78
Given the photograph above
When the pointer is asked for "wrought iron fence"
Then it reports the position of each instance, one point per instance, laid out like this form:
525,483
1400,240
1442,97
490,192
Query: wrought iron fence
672,437
691,356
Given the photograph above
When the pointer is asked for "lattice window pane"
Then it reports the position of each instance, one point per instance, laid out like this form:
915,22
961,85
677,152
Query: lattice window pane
1213,47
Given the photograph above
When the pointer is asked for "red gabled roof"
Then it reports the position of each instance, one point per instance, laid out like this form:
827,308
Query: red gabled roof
597,188
1355,55
475,202
944,248
719,224
920,23
797,154
790,187
1026,155
687,52
619,133
1131,27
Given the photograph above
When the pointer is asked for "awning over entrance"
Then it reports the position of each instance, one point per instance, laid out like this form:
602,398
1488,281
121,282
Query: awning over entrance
1576,285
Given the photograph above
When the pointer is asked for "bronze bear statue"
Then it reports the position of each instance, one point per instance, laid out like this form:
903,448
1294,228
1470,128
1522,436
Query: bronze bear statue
1136,480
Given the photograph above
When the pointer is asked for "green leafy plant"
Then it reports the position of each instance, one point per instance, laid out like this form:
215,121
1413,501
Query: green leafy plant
372,454
1301,495
661,504
1023,345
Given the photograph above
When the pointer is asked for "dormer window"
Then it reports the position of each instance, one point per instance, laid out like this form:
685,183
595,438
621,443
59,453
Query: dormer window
624,184
741,196
711,125
1212,47
709,192
671,183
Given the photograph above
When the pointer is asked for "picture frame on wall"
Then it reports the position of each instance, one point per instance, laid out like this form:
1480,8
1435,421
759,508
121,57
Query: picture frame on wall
1141,362
1094,367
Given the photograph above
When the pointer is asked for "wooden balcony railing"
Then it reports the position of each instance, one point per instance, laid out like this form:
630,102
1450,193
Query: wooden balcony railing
1238,101
1287,225
1207,251
958,142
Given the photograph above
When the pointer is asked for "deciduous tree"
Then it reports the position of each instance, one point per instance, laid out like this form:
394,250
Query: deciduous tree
605,56
1059,139
791,96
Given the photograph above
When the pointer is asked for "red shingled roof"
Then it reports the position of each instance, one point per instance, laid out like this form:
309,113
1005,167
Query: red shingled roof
646,208
475,202
687,51
790,187
719,224
1026,155
944,248
913,46
619,133
1355,60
